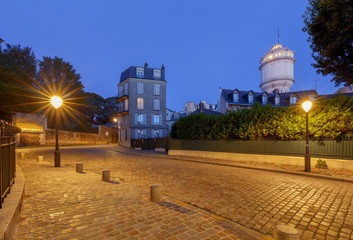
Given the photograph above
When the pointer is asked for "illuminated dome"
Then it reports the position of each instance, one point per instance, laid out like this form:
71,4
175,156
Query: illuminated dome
277,70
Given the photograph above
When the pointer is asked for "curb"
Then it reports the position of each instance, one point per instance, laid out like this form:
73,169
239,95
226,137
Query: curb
303,174
12,206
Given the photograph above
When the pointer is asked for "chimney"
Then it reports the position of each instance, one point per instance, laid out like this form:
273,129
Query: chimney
146,65
202,107
163,67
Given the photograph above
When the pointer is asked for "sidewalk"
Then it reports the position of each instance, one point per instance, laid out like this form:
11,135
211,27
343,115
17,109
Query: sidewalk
343,175
62,204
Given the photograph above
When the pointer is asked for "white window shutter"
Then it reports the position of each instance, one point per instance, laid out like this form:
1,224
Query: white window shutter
152,119
160,119
144,118
135,118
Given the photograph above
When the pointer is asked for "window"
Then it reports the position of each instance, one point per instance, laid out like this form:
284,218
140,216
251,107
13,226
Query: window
140,103
140,118
156,74
157,89
126,134
156,119
293,100
236,97
140,72
277,100
140,133
264,98
250,98
156,104
126,89
126,105
139,88
155,133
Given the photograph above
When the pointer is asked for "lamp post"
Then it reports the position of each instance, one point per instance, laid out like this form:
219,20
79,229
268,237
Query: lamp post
56,102
306,106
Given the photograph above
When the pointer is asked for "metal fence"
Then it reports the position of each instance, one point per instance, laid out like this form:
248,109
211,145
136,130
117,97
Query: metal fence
324,149
7,158
150,143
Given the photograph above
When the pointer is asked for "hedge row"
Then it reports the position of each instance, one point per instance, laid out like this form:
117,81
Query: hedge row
328,119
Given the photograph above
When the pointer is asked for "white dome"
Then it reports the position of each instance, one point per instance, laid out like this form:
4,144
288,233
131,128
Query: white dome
277,69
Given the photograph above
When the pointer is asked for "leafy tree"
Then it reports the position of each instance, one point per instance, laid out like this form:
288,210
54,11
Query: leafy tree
329,24
57,77
94,108
17,69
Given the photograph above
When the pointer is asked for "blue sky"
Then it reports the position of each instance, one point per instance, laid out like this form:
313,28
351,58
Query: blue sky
203,44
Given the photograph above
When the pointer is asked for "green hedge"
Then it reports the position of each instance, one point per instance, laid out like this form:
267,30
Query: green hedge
328,119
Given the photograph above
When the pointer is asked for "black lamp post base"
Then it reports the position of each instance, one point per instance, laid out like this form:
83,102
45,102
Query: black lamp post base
57,158
307,162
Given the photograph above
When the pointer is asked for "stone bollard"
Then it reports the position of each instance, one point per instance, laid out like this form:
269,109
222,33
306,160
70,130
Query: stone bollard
285,232
106,175
39,158
22,154
79,167
155,193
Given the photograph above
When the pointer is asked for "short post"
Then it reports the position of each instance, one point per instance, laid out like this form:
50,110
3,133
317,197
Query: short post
155,193
79,167
285,232
39,158
106,175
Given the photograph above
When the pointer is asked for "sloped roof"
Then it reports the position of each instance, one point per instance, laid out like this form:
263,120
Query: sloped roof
227,95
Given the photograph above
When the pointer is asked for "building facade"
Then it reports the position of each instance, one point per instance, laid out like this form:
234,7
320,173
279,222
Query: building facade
141,104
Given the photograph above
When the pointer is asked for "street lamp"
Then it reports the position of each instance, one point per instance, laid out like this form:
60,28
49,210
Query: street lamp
115,119
56,102
306,106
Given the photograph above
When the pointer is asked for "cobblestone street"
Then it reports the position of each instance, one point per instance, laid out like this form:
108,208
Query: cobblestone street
321,209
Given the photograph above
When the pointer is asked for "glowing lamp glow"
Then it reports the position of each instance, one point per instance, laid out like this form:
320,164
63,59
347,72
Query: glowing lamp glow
307,105
56,101
115,119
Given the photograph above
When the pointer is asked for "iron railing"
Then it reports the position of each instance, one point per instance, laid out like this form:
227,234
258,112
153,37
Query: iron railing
7,158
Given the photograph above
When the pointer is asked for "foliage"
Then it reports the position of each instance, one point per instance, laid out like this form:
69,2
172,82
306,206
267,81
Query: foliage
321,164
328,119
329,24
17,68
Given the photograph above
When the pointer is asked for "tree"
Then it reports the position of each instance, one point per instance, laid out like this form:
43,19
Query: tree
95,108
329,24
17,69
57,77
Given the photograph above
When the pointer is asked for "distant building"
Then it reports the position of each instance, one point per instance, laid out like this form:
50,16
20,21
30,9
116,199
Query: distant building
348,89
170,119
142,103
232,100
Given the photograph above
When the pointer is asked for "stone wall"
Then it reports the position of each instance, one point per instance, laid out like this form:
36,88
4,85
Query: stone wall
72,138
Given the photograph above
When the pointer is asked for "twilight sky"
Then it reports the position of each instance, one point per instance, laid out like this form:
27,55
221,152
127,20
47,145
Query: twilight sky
203,44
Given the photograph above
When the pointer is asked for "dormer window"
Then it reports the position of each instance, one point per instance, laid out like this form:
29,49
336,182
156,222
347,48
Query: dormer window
251,97
277,100
140,72
264,98
236,96
156,74
293,100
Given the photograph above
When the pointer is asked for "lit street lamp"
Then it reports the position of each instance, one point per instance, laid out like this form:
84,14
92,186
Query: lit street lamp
56,102
306,106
